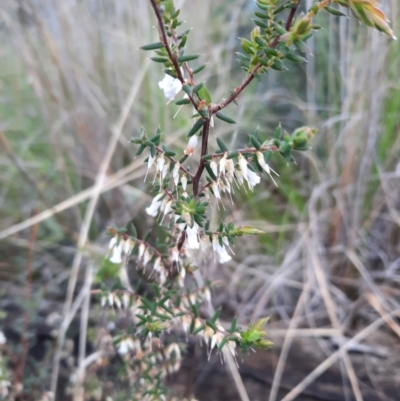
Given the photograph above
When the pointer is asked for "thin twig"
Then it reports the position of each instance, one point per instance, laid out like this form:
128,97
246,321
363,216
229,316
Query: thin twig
173,59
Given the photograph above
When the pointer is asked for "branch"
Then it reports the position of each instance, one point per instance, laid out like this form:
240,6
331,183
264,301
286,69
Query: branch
204,149
164,40
272,148
159,150
238,90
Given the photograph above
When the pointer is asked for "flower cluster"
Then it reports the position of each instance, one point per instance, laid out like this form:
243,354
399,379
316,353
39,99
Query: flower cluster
187,185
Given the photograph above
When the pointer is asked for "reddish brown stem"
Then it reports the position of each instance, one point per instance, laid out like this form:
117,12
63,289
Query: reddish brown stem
238,90
172,57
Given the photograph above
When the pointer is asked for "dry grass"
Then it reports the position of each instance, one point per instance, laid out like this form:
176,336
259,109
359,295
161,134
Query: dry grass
75,88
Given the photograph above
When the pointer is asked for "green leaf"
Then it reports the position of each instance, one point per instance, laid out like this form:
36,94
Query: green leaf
153,46
216,315
261,15
261,24
160,59
182,101
212,325
188,57
280,28
204,95
209,171
222,344
222,145
187,89
198,87
225,118
255,142
295,58
277,65
335,12
207,156
140,150
198,69
133,230
270,52
197,125
233,325
278,132
233,154
302,46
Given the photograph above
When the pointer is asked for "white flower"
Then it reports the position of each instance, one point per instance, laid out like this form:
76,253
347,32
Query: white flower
230,169
220,250
252,179
171,86
215,189
167,208
184,182
116,250
243,165
160,163
239,177
193,141
223,163
153,209
157,264
150,162
214,167
164,172
162,276
146,257
123,347
3,338
175,173
265,166
142,249
193,237
175,255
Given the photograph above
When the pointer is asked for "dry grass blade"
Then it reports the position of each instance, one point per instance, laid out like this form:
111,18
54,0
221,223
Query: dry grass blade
320,369
100,182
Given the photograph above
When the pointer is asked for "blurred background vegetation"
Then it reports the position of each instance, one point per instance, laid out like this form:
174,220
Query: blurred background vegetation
71,71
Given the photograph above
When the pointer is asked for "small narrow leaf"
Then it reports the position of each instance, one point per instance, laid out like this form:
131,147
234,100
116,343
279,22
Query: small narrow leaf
160,59
335,12
204,95
182,102
197,125
198,69
225,118
188,57
153,46
222,145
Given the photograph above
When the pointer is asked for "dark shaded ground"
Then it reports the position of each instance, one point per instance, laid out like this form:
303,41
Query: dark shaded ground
378,375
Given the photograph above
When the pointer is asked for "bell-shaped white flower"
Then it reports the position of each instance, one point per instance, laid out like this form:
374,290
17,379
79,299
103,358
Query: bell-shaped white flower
150,162
175,255
261,161
154,208
243,165
214,167
223,163
157,264
175,173
160,163
220,250
184,182
116,249
171,86
142,249
215,189
191,146
252,179
193,237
